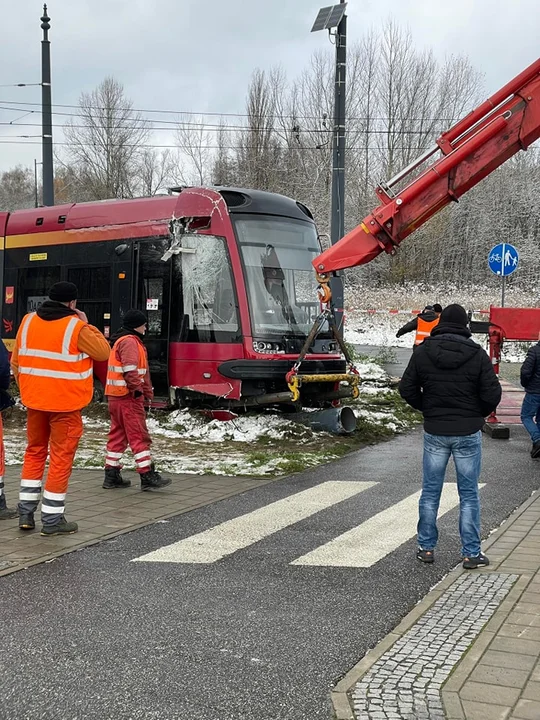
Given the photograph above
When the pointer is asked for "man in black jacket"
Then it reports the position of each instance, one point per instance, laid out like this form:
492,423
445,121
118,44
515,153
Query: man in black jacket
450,379
530,410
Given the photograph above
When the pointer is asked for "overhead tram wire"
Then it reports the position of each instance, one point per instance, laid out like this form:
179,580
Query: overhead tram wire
213,128
23,141
214,113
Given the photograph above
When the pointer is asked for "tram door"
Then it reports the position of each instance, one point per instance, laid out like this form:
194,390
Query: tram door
152,295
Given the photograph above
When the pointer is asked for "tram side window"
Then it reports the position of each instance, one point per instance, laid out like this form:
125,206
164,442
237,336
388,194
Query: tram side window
208,294
94,286
33,287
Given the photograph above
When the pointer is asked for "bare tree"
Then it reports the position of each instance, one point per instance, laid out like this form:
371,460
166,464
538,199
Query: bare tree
399,100
106,141
194,139
17,189
156,170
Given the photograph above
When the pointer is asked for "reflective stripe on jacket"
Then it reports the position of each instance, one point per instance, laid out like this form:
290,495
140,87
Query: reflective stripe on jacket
116,385
423,329
53,375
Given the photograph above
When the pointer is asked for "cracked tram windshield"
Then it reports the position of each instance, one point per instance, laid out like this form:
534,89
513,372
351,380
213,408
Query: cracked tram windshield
281,285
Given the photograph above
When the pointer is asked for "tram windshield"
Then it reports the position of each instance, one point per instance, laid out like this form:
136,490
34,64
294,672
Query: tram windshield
281,286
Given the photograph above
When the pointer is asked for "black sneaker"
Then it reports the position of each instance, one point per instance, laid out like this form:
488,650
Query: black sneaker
425,556
535,450
60,528
26,521
113,479
152,480
8,513
475,561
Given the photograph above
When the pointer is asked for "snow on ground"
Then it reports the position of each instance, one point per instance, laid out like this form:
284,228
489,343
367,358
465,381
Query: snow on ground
265,443
246,428
417,296
379,329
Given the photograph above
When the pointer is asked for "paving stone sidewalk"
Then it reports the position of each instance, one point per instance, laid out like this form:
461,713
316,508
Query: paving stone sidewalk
103,514
470,650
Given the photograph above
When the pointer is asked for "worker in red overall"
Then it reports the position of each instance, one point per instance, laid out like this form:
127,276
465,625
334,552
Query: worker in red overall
128,389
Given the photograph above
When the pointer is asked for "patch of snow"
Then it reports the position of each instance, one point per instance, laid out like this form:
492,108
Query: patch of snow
371,371
246,428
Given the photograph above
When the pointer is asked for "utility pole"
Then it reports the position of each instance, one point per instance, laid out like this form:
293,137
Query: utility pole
337,225
46,112
327,19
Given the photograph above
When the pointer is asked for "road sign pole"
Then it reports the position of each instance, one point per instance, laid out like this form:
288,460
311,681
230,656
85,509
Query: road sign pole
503,274
501,265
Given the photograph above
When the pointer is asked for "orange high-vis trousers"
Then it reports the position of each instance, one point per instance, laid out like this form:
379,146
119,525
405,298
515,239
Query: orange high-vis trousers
49,434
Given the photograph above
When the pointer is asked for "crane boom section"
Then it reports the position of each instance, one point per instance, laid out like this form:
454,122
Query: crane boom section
507,122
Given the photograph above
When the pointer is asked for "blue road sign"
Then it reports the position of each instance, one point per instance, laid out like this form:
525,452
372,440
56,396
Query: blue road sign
503,259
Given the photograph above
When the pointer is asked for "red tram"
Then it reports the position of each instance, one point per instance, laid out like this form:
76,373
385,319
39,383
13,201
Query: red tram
223,274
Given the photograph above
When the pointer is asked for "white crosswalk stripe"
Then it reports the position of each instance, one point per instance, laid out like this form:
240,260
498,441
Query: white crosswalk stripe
375,538
228,537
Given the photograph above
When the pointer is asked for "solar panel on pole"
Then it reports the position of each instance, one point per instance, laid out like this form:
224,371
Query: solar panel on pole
338,11
322,17
329,17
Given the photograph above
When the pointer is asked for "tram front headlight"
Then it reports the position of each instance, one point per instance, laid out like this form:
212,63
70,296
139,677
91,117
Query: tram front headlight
269,348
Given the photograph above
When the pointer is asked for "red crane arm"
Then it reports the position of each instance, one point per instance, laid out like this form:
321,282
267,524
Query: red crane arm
507,122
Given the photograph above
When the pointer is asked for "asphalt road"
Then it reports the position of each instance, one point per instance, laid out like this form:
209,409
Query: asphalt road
95,636
398,357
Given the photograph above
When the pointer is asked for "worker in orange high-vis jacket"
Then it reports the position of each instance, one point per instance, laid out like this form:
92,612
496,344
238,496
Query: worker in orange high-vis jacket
53,364
128,389
423,323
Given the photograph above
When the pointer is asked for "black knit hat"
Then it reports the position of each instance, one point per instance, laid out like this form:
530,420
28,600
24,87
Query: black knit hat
63,292
134,319
454,315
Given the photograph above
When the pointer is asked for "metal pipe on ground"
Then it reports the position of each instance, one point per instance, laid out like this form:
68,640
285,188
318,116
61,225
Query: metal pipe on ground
268,399
339,421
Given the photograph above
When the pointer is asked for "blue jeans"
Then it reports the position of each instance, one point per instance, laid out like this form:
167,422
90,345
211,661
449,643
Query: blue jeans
529,415
467,453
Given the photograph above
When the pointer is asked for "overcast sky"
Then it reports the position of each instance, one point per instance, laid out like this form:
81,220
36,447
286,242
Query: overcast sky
198,55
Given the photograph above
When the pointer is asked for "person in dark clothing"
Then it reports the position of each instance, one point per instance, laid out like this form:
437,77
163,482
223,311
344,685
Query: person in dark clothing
5,512
451,380
422,324
530,410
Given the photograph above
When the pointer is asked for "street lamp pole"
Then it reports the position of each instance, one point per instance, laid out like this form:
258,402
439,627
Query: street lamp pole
337,225
328,19
46,110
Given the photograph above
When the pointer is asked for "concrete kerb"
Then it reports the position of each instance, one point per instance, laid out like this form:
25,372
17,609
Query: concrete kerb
340,695
24,565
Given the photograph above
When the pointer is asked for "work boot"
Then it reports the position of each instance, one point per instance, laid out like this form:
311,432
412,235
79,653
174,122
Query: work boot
26,521
152,480
8,513
63,527
535,450
113,479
